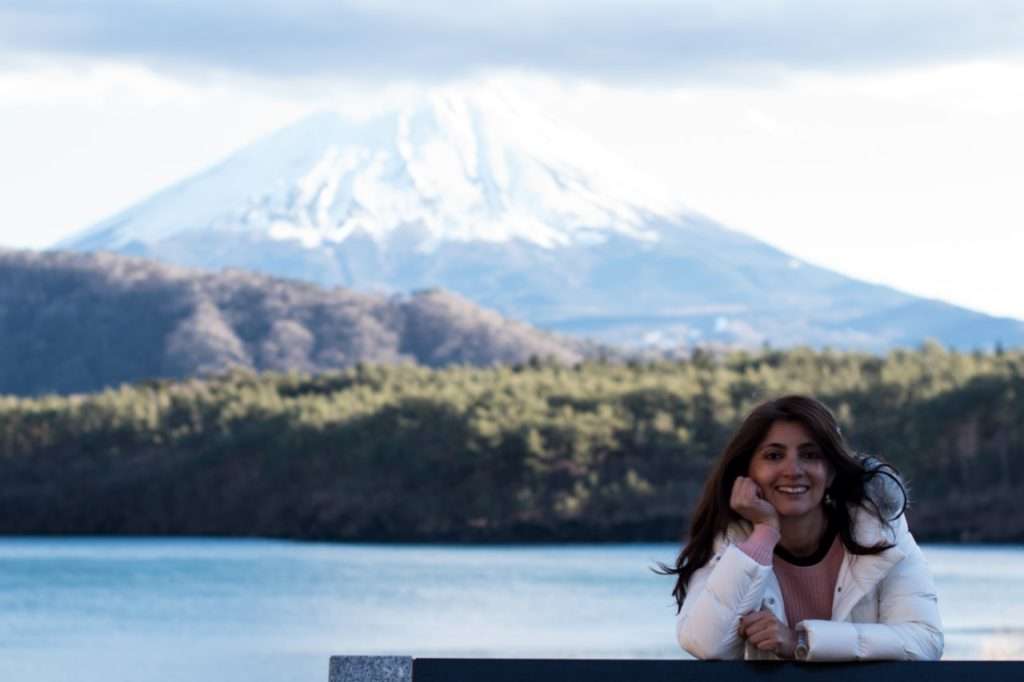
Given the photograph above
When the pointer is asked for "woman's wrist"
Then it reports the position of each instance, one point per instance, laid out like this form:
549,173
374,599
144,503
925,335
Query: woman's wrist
760,545
789,645
767,533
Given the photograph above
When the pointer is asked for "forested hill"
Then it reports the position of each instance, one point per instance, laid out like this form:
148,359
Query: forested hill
532,452
81,322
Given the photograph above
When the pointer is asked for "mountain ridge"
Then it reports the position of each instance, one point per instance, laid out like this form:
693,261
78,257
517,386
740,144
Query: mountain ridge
81,322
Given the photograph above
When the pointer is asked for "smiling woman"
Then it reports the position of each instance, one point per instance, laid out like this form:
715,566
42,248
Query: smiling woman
800,549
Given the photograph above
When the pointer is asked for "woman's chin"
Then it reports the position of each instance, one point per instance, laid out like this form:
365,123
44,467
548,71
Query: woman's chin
795,508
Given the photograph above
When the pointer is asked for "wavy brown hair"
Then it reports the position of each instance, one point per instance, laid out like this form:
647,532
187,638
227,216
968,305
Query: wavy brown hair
849,489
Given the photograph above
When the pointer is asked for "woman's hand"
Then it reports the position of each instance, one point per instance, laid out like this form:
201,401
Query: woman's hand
748,501
767,633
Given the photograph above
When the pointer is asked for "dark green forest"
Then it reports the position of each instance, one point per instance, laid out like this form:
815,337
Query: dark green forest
532,452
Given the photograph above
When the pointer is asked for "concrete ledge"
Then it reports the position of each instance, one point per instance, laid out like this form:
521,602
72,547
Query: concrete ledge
370,669
408,669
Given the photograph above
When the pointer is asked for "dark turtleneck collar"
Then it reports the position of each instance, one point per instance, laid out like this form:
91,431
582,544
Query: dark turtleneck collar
816,556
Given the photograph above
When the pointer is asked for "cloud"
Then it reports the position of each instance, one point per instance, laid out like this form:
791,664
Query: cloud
606,39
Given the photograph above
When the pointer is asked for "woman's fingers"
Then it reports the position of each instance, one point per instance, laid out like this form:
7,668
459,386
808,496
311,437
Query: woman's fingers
747,499
743,493
734,495
749,618
753,621
758,615
766,635
746,487
758,629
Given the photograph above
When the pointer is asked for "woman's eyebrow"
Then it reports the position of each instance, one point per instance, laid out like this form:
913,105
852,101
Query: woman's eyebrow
802,446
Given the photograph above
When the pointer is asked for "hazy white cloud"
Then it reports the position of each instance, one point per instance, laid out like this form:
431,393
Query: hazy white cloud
609,39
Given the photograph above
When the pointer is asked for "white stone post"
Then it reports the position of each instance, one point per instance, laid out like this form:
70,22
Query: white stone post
370,669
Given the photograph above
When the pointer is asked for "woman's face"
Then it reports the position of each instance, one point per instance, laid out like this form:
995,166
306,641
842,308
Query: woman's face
790,469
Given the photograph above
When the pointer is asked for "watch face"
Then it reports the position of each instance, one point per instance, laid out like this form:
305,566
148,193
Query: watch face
800,651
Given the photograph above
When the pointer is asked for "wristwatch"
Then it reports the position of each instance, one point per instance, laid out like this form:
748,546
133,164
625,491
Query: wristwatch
801,649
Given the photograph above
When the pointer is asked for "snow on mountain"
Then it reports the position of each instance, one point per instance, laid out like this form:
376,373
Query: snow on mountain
468,164
474,190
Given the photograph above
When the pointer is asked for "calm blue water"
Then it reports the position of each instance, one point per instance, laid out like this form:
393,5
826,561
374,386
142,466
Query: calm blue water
105,610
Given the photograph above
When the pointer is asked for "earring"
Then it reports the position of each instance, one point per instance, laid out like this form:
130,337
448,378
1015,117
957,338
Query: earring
829,500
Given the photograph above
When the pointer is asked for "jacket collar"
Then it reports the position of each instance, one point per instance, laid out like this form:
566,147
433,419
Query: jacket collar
860,573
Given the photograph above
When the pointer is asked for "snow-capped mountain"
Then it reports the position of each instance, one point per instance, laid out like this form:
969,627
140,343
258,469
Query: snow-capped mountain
466,166
473,189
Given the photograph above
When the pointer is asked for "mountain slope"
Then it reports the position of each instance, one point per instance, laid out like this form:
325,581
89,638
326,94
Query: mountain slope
475,191
80,322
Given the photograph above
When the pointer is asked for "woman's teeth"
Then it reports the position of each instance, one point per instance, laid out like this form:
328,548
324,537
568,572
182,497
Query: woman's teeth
792,489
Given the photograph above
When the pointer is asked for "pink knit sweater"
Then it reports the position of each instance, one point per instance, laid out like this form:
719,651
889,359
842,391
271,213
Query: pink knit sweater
806,590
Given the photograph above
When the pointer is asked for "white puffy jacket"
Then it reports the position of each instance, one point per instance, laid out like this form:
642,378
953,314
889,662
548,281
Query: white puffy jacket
884,606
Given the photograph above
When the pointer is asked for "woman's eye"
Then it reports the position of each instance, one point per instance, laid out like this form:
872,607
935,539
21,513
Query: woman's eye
773,454
810,454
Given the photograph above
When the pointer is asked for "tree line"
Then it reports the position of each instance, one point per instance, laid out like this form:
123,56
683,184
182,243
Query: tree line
599,450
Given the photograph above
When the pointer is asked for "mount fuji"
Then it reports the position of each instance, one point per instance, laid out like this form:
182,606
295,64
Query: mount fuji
474,190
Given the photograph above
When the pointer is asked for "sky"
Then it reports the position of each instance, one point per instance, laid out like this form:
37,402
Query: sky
878,139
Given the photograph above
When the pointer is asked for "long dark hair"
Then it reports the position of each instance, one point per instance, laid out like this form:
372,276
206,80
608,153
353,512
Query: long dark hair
849,488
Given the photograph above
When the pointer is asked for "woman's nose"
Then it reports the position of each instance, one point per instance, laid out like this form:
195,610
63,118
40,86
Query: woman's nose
792,465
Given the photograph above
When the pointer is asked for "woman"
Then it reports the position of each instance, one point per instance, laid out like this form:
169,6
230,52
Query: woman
799,549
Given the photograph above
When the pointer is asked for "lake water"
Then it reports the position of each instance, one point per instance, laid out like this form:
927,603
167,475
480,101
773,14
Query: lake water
106,610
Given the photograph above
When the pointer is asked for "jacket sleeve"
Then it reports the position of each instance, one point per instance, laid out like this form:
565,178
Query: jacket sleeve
908,628
730,585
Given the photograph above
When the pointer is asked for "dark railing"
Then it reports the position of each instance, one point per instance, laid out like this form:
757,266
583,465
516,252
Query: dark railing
408,669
